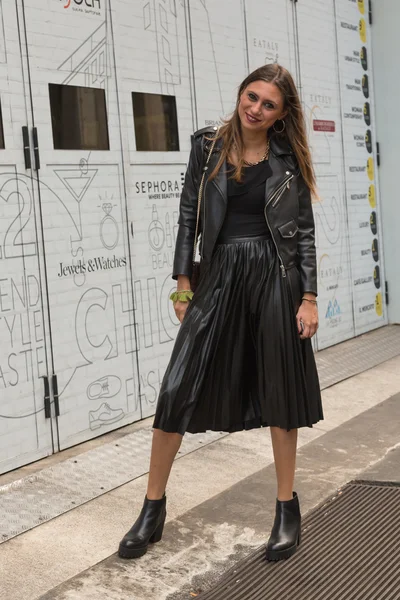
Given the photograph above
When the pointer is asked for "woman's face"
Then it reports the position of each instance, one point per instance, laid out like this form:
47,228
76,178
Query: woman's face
260,105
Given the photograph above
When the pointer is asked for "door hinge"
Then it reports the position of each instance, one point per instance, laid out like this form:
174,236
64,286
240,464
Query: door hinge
36,148
386,292
55,395
370,11
378,154
27,148
47,403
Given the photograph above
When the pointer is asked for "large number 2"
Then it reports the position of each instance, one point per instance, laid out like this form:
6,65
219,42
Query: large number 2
13,248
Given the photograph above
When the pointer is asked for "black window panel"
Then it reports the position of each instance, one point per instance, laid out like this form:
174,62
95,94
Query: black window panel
156,123
2,144
78,118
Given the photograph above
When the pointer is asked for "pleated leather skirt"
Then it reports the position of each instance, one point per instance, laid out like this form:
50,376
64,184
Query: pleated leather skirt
238,361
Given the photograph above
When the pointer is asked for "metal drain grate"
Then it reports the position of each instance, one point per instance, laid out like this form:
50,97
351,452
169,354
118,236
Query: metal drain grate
350,550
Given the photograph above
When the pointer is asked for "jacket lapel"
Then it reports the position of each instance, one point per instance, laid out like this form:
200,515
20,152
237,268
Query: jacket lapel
280,168
220,182
215,205
278,175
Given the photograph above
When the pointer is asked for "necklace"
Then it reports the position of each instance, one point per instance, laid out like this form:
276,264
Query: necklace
264,157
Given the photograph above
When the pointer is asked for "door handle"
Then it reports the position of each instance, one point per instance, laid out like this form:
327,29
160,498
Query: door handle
55,395
47,404
36,148
27,148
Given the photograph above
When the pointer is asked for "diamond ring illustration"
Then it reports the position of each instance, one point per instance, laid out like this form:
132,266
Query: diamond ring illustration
109,233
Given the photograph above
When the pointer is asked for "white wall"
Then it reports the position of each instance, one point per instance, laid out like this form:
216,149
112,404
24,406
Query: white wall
386,16
106,332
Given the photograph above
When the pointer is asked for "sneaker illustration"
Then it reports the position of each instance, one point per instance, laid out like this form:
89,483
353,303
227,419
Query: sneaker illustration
104,415
106,387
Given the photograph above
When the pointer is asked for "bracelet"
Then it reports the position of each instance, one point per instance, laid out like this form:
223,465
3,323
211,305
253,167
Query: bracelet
308,300
181,296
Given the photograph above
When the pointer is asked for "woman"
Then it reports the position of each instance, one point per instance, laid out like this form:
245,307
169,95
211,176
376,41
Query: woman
243,356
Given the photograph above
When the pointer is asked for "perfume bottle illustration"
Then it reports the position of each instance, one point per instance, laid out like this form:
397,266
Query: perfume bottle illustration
168,231
156,231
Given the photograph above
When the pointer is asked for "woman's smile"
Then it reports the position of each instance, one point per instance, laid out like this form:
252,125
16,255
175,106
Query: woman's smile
252,119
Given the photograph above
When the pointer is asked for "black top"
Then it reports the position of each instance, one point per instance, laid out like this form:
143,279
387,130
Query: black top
246,202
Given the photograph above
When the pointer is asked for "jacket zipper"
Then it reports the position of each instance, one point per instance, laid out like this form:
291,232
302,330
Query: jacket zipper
276,196
282,266
278,193
204,221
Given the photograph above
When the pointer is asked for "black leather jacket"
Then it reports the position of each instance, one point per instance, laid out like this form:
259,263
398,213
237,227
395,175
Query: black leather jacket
288,210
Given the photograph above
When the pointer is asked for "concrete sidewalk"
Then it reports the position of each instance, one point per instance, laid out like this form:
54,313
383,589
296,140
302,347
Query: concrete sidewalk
221,501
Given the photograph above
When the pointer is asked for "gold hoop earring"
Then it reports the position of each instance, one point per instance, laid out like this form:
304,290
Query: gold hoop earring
283,128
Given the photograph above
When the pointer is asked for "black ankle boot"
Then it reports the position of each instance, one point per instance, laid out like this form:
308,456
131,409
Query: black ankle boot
147,529
286,532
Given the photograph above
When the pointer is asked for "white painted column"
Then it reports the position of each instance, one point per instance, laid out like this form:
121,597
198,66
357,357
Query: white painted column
386,62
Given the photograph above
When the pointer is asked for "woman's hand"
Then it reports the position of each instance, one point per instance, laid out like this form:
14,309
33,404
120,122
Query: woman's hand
307,319
180,309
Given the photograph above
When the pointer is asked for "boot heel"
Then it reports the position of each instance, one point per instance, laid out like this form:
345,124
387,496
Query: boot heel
157,535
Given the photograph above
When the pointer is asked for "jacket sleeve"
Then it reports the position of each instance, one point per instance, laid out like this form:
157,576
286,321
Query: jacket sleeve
307,258
184,246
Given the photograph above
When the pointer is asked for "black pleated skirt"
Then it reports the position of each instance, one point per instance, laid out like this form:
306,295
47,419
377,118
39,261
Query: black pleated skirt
238,361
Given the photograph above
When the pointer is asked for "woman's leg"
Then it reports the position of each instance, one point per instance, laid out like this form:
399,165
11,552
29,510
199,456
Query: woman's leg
284,444
164,449
285,535
148,527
